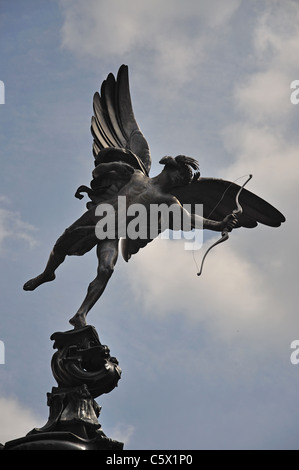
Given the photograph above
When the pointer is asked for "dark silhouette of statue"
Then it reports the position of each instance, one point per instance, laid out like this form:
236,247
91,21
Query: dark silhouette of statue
122,165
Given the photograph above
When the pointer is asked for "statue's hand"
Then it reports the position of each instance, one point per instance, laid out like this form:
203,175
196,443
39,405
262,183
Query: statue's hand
229,222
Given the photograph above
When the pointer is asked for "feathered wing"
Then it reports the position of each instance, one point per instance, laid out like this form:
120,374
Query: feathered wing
113,124
218,198
116,138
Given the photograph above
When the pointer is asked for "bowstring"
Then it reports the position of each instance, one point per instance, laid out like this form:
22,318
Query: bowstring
214,208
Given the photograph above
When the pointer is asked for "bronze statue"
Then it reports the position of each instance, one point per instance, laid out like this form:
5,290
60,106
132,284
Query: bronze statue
122,164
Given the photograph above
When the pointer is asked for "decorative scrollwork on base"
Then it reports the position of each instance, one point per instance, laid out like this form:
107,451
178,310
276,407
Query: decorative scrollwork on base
83,369
82,359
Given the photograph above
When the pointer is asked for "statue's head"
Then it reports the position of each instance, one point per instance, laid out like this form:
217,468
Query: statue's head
180,168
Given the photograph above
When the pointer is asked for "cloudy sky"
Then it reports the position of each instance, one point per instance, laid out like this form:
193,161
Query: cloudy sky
206,361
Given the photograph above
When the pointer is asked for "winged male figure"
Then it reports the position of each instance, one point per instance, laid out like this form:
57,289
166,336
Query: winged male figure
122,165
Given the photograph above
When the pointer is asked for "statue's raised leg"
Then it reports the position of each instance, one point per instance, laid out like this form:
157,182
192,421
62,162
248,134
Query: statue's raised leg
77,239
48,274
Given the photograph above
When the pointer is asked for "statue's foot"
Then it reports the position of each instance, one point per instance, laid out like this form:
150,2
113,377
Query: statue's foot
37,281
78,321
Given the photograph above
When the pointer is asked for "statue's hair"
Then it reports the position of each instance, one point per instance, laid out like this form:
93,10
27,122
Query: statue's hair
183,164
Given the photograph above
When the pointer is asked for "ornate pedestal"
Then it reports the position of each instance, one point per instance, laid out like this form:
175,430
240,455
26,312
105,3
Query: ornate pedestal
84,370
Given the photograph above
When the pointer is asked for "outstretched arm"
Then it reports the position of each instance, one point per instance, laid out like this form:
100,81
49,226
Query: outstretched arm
228,223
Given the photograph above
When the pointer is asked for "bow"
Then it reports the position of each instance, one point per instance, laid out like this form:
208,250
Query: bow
224,234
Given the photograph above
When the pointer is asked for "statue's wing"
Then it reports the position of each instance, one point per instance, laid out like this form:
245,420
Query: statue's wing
113,124
218,198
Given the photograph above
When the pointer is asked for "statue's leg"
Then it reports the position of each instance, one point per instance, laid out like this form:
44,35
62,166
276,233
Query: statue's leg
55,259
64,246
107,253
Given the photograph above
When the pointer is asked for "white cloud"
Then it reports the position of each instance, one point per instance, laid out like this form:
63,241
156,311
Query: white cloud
122,432
265,94
172,36
12,227
16,420
264,140
232,291
276,32
269,155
